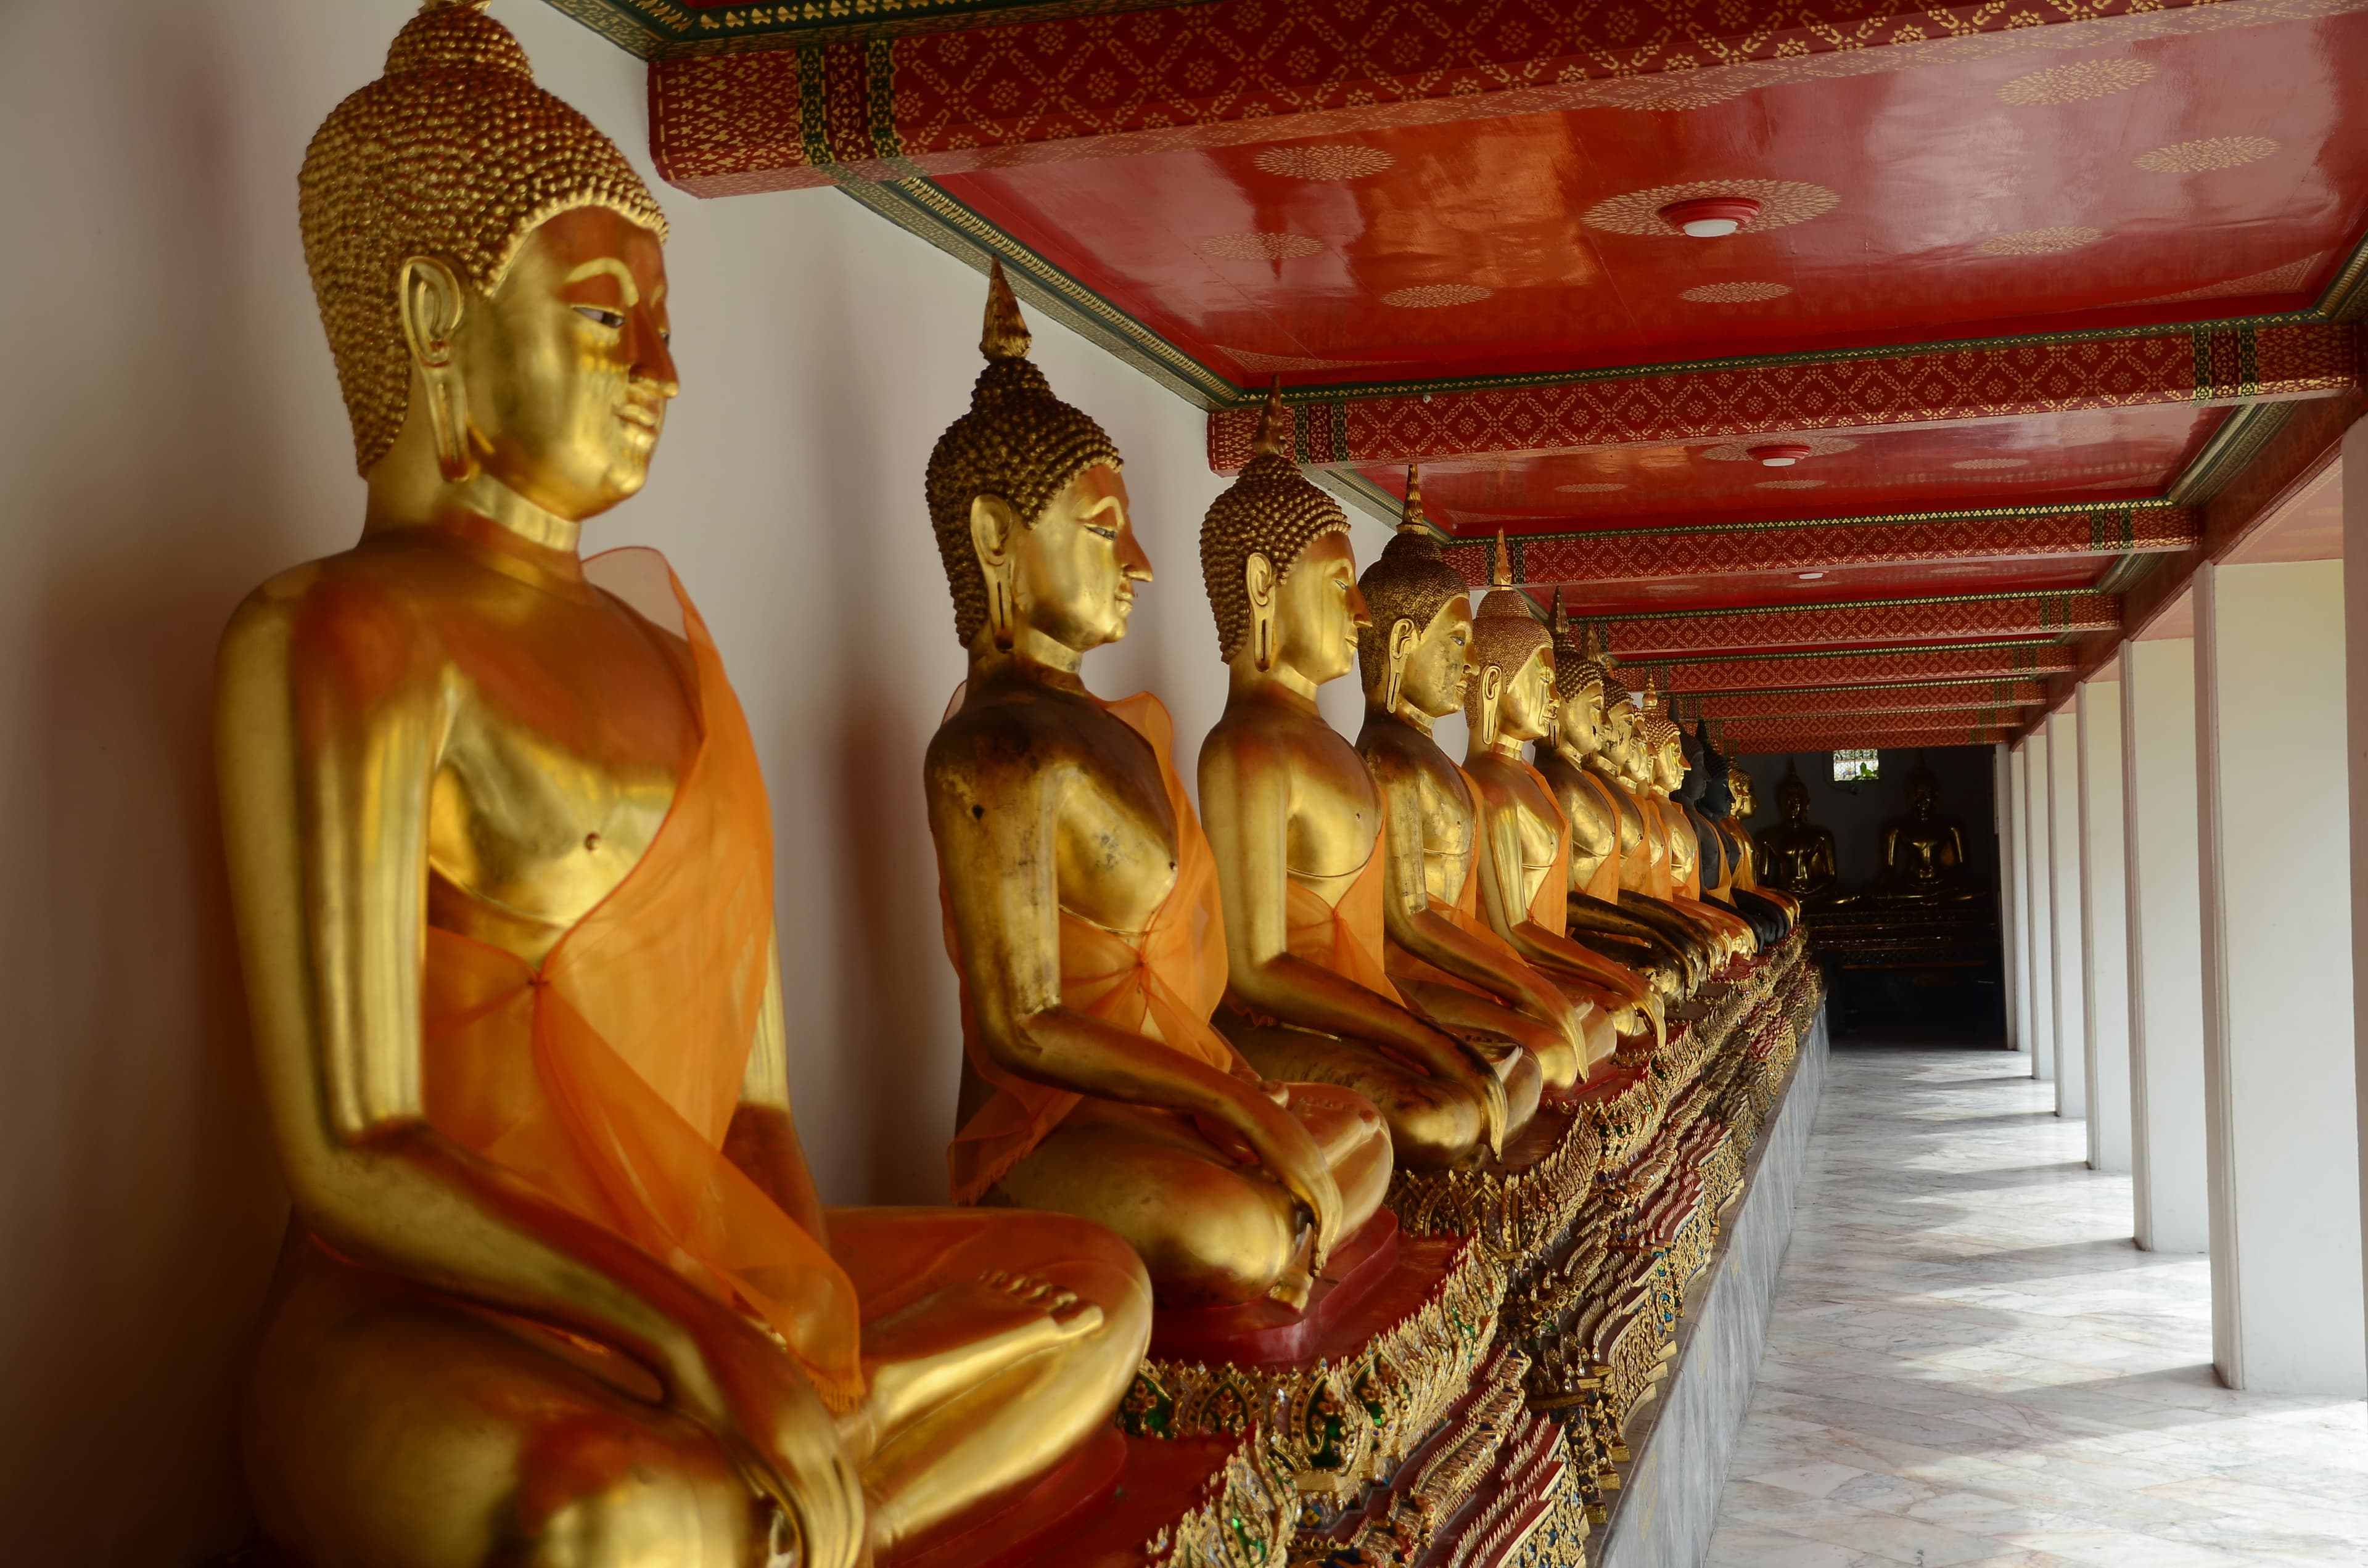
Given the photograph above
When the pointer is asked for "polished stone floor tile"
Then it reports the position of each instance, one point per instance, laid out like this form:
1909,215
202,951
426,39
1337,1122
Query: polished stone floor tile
1971,1366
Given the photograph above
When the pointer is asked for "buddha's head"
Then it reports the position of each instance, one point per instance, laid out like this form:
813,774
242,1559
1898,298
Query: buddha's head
1621,746
1923,792
1512,695
1275,556
1414,652
1792,798
1031,516
1747,802
1579,681
489,268
1661,742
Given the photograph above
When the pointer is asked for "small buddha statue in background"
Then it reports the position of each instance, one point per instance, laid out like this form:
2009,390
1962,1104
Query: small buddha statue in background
1585,799
557,1287
1797,856
1924,854
1442,954
1295,823
1524,859
1082,904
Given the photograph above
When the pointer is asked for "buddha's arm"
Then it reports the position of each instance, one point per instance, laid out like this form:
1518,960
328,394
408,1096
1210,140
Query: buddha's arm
1497,864
993,814
1246,812
1413,925
327,728
763,1138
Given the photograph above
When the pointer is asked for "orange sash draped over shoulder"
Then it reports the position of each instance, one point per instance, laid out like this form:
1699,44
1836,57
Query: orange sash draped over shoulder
608,1076
1164,983
1345,938
1549,904
1605,883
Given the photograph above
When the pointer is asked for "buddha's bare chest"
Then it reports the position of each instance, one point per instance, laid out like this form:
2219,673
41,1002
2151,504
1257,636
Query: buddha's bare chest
1335,811
1115,833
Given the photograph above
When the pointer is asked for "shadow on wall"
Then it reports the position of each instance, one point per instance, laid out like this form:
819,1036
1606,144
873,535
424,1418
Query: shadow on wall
1857,811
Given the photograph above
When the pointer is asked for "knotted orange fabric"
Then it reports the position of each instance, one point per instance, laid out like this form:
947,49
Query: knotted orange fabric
1163,982
607,1075
1345,938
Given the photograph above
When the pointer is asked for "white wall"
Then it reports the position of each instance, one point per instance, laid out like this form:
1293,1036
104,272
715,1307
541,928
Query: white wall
2165,979
2280,1114
2104,937
2039,935
172,434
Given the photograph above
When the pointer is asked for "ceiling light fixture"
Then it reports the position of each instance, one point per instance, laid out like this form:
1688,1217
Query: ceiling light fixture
1711,217
1781,454
1811,576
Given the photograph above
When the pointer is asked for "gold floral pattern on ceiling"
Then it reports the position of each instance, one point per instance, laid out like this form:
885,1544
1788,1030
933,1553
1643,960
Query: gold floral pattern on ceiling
1781,201
2206,154
1734,293
1435,296
2073,82
1259,247
1324,162
2041,241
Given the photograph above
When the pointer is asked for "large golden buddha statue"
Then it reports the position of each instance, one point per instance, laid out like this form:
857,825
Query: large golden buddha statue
1924,853
1082,902
558,1288
1295,822
1414,661
1796,855
1524,865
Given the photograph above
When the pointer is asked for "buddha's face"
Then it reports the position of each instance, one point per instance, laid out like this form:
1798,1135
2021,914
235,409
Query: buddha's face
1075,568
1618,733
1739,784
1525,702
1669,765
1920,800
1579,719
1439,669
565,369
1793,801
1318,611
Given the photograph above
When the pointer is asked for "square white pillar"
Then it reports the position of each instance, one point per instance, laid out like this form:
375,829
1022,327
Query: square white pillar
2010,892
2104,937
2280,1108
2069,1027
2166,934
2038,938
2355,654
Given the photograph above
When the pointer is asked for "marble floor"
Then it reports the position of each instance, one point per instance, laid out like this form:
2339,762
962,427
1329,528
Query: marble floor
1971,1366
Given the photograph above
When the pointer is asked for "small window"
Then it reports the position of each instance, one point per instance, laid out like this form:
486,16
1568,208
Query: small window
1851,765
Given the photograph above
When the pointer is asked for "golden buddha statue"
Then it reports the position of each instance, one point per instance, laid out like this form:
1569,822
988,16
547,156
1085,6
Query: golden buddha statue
1622,761
1662,742
557,1288
1714,814
1295,822
1082,903
1924,854
1442,954
1745,794
1524,865
1595,917
1796,855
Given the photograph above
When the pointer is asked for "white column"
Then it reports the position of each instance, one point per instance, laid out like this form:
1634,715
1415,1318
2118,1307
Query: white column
2355,654
2010,894
2281,1113
2166,971
2104,937
2038,940
2070,1029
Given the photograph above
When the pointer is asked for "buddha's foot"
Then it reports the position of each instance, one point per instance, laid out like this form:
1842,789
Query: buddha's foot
953,1340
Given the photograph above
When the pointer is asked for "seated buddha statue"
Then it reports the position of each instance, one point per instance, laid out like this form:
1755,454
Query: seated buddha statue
1442,952
1662,745
1295,823
1082,906
1924,854
1714,807
1744,793
1623,762
1524,859
1595,917
557,1288
1796,855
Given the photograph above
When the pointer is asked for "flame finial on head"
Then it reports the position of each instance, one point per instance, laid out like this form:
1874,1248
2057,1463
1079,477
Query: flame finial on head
1274,433
1004,335
1410,515
1501,573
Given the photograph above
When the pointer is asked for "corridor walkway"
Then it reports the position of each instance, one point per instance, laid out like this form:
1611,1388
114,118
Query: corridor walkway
1970,1363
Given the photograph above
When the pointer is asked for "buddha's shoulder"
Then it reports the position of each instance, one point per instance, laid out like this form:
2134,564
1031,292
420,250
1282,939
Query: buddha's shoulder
359,600
1022,731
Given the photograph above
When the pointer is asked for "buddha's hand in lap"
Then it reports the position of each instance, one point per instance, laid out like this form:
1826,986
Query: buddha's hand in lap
741,1386
960,1337
1262,1117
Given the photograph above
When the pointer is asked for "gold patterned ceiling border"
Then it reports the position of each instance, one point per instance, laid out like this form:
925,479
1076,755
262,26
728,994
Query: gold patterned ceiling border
1748,627
1805,702
1643,554
2207,364
1757,670
1739,741
661,30
1237,72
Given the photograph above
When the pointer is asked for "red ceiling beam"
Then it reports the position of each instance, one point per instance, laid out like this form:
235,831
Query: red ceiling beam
2195,365
1853,666
1833,734
1950,700
951,97
1634,555
1863,621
